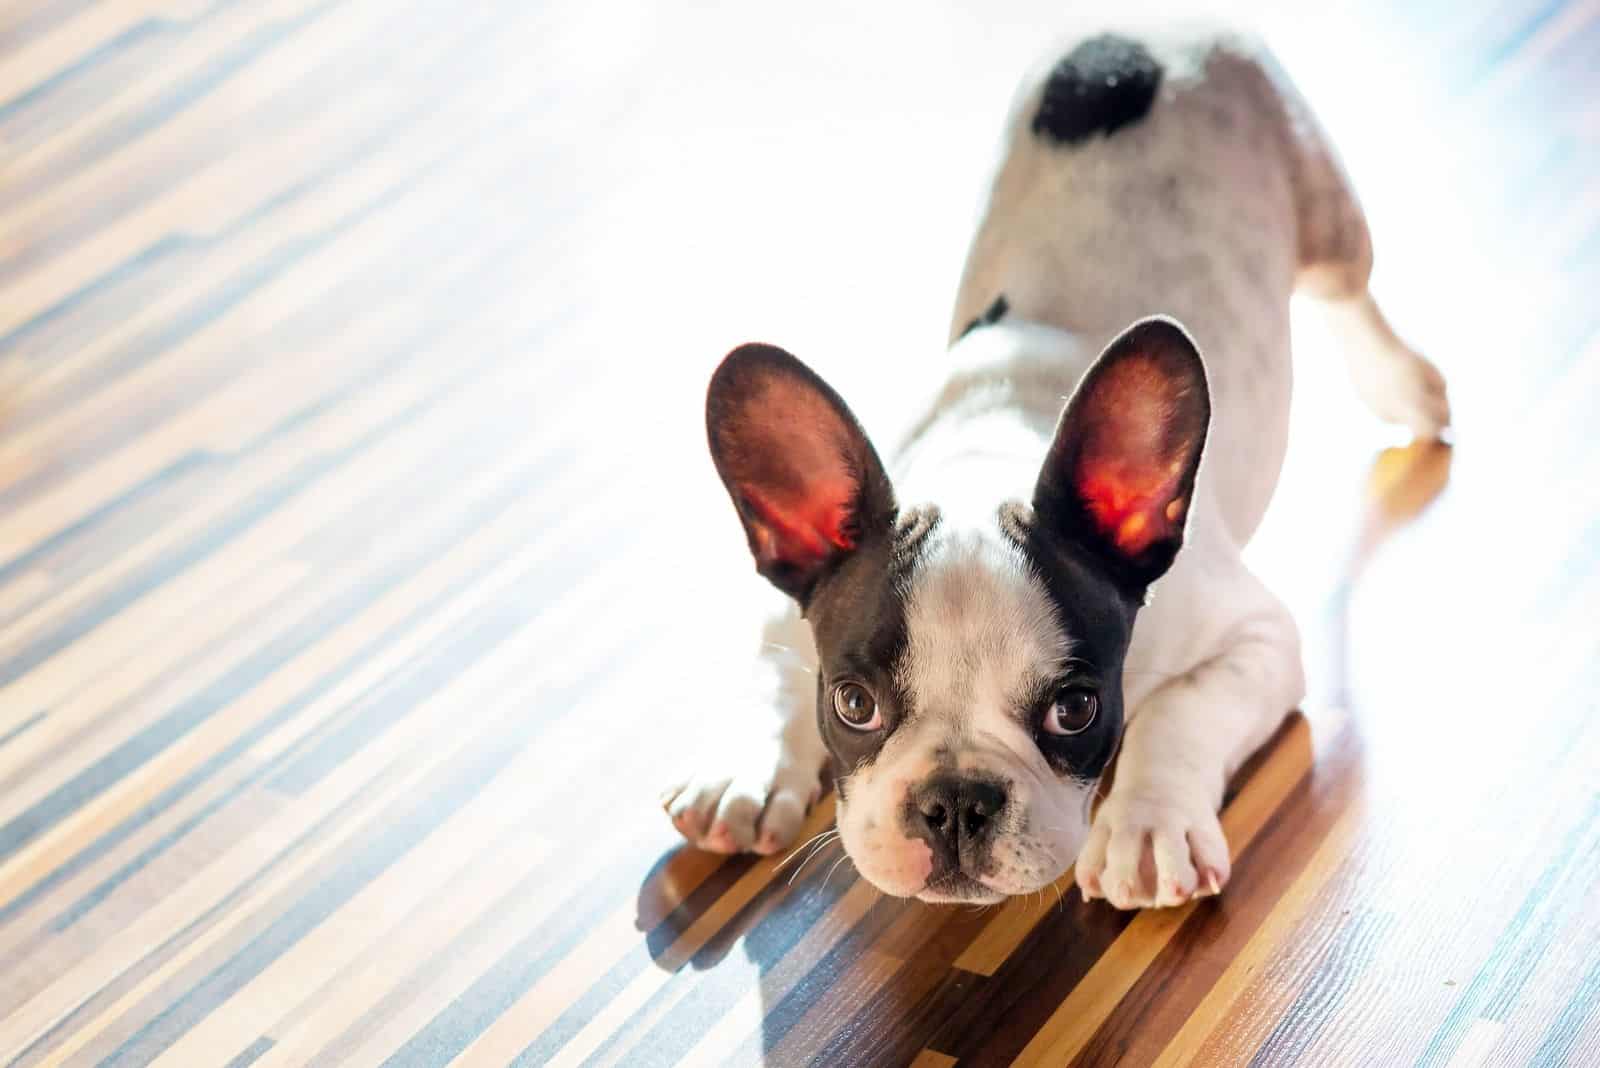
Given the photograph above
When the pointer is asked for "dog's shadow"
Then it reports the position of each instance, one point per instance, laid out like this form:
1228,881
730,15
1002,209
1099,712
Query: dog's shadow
800,920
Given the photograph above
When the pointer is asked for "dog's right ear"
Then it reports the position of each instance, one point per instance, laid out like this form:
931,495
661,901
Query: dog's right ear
1121,470
806,482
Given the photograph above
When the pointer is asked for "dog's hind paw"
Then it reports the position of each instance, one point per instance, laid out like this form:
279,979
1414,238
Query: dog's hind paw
1401,386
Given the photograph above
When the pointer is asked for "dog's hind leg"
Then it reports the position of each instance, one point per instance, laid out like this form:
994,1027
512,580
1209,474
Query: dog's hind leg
1335,263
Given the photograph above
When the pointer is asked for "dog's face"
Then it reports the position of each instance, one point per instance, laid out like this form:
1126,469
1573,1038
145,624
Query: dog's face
970,675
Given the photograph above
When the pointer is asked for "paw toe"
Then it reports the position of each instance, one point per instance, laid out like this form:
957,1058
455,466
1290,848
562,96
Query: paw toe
1210,852
737,816
694,807
781,822
1175,873
721,838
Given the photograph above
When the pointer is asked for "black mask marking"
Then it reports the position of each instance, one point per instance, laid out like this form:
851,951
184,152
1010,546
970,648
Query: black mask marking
858,616
1099,615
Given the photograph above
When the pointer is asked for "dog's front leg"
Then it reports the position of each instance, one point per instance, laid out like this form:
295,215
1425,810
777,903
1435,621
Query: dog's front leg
1156,839
751,790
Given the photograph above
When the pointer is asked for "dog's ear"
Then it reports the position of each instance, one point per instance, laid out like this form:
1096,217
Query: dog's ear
805,480
1120,473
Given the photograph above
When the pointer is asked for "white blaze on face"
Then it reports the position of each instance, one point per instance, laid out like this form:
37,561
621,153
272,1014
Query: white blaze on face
982,637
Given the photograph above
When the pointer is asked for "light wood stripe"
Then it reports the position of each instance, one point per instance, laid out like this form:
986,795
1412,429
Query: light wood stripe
1478,1045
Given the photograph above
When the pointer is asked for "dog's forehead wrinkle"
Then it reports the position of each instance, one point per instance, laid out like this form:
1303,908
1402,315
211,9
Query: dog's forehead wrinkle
980,626
1004,737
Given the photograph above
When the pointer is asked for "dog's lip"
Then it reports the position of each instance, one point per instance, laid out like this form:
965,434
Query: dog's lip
957,886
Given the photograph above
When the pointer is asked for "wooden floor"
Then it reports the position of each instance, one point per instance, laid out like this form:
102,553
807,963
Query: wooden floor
362,572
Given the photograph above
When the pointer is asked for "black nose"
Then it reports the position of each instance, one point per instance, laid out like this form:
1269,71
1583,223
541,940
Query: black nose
957,817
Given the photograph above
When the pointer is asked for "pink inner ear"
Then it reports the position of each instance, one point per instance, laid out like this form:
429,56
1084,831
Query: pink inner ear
1133,506
1130,471
796,484
802,531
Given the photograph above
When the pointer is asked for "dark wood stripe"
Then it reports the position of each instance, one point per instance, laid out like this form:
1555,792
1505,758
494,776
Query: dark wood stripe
254,1053
24,725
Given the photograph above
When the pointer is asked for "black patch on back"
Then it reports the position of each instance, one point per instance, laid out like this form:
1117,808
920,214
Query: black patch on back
996,312
1100,86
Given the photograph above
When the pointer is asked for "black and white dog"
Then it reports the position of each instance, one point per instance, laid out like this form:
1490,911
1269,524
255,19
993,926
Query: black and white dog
975,638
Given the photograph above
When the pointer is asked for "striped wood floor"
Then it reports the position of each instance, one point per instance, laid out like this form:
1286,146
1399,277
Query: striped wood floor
362,573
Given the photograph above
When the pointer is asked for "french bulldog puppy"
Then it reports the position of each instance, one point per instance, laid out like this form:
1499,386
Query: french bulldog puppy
1036,589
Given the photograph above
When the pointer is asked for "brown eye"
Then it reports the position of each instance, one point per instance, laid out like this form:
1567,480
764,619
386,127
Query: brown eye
856,707
1072,711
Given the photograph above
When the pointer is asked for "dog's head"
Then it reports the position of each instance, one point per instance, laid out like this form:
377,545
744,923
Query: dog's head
970,677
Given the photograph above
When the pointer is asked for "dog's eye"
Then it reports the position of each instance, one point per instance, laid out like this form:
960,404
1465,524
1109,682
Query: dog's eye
1072,711
855,706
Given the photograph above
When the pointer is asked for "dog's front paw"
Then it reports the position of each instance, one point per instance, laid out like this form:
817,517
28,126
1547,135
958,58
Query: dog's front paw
759,810
1149,851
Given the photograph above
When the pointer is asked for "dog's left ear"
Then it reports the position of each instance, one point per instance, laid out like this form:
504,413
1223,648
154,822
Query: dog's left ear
807,484
1120,473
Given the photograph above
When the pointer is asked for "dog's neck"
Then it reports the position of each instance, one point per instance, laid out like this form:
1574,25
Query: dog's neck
979,442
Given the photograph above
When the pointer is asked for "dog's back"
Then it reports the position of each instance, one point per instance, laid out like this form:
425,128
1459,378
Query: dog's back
1167,172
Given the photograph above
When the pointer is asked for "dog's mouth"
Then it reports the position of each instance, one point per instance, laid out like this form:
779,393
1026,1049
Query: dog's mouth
957,887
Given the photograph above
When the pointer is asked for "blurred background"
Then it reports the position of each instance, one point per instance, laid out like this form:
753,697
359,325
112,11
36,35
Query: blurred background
362,569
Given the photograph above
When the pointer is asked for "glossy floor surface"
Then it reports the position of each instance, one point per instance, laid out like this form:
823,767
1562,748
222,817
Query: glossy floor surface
363,576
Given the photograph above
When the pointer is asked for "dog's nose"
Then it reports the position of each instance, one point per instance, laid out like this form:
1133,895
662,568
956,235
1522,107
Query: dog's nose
957,817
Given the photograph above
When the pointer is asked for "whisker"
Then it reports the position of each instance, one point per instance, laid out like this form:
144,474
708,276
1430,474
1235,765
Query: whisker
790,858
842,858
814,853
